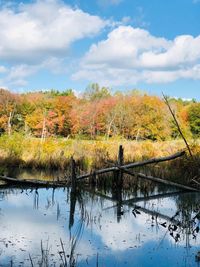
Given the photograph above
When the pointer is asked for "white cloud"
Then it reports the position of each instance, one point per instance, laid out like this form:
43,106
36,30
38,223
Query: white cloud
123,47
43,28
130,55
17,75
38,36
24,228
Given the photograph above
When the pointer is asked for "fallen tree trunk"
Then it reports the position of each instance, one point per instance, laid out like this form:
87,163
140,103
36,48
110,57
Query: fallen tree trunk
134,165
154,160
33,182
161,181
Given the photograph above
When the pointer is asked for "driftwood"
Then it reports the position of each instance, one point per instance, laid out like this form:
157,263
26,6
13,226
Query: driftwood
33,182
134,165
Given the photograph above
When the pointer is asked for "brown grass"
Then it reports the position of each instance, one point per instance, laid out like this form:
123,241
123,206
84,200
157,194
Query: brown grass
55,153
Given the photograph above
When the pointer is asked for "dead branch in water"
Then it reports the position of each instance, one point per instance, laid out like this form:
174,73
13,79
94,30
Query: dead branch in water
161,181
134,165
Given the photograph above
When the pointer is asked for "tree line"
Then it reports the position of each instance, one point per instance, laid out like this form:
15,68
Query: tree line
96,113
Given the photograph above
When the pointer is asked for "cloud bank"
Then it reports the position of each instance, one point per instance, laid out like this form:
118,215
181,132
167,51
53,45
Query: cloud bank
131,55
36,33
43,28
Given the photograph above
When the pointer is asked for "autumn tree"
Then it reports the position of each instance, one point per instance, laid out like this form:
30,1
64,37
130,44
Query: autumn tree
8,105
132,115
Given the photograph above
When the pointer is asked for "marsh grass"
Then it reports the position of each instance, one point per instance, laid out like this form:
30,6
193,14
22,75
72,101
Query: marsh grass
55,153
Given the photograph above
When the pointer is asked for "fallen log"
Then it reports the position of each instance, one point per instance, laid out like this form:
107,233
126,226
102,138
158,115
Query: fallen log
30,182
161,181
134,165
154,160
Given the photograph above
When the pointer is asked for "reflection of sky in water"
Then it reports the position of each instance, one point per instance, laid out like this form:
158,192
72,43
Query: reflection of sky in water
27,218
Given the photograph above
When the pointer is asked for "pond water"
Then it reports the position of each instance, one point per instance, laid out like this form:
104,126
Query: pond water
41,227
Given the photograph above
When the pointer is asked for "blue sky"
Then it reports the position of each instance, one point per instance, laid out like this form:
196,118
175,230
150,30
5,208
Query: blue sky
123,44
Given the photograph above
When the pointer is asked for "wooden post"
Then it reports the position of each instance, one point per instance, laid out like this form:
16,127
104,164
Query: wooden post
120,156
73,192
92,179
120,162
119,183
118,173
73,175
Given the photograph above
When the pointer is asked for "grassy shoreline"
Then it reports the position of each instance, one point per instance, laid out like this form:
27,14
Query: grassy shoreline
55,153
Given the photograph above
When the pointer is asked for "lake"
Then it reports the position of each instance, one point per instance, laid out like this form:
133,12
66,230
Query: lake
52,227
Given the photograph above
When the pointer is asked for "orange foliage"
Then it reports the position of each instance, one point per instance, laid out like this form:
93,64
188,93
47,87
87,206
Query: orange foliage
135,116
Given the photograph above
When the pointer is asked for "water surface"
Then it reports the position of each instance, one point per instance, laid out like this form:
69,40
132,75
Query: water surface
91,230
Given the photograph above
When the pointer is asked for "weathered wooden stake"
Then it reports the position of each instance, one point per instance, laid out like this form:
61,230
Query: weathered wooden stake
121,155
118,173
73,175
119,182
92,179
120,162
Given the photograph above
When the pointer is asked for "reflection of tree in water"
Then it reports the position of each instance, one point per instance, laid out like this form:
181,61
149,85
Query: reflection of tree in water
182,226
69,254
189,215
67,251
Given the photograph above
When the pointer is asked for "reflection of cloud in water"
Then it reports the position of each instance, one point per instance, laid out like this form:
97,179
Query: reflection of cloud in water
23,228
134,232
130,232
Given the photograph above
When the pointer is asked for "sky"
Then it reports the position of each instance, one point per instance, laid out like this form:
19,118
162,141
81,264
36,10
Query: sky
122,44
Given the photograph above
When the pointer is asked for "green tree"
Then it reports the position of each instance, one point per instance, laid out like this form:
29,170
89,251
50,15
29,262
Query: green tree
194,118
67,92
95,92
